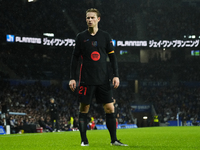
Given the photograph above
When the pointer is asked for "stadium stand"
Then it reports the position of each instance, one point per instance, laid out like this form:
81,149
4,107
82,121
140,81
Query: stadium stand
44,63
33,100
168,99
170,19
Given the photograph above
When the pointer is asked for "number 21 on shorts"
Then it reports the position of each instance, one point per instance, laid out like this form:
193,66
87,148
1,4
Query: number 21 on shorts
82,90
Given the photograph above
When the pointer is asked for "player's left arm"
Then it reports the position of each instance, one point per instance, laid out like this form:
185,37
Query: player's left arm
113,60
114,65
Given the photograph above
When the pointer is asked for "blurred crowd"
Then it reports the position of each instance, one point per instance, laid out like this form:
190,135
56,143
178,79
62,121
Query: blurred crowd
37,62
33,19
168,101
163,19
66,18
47,64
117,16
54,64
4,75
29,62
171,19
33,99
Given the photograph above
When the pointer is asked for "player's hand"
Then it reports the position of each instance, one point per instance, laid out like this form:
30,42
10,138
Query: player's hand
115,82
72,85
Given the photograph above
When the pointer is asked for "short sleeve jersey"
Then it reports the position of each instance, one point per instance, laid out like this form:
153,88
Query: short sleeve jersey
93,51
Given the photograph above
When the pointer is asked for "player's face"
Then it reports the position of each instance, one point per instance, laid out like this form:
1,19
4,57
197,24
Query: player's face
92,19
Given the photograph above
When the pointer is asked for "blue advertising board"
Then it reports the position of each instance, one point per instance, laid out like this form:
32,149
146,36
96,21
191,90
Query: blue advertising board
2,131
16,113
191,84
17,82
154,83
175,123
120,126
141,108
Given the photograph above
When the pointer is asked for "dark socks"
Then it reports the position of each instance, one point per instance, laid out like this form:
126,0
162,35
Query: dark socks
83,126
111,125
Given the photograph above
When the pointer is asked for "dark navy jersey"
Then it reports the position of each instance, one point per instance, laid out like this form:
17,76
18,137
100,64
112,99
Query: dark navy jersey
93,51
53,108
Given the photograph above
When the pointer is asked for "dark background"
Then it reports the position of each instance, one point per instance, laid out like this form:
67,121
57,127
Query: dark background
171,76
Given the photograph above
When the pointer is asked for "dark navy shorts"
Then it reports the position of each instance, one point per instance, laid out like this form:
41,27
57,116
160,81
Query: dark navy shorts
102,93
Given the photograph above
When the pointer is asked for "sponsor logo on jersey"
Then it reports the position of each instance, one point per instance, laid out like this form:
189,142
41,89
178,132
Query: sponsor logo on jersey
94,43
86,40
95,56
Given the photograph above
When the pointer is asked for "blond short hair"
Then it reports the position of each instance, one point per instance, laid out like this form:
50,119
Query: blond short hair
94,10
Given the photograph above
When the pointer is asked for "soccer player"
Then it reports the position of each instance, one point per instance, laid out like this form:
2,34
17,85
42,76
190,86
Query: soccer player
94,45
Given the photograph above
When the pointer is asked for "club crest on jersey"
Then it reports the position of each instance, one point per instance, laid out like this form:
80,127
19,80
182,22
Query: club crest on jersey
94,43
95,56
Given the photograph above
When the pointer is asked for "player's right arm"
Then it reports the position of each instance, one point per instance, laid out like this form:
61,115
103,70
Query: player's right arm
74,63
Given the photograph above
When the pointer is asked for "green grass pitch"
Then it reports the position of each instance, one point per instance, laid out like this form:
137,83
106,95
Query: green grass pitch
154,138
